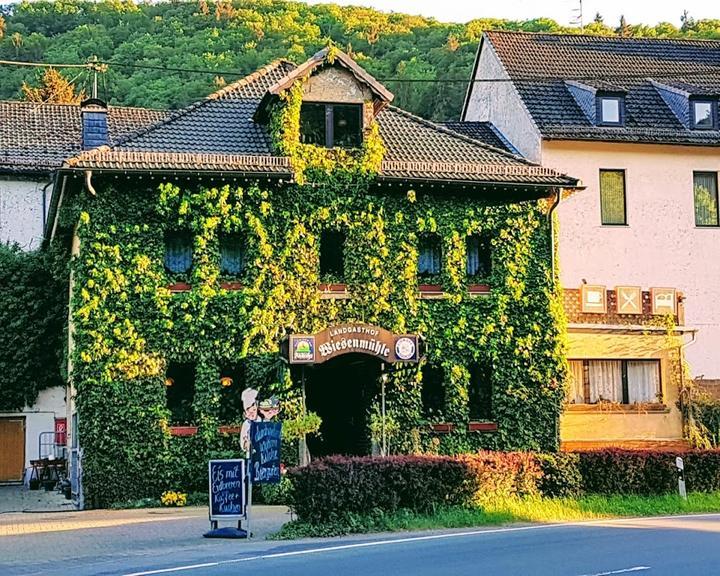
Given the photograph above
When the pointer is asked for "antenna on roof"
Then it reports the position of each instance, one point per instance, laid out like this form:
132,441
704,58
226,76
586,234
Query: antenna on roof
577,19
96,68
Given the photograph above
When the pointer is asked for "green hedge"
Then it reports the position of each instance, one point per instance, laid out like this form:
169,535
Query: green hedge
333,488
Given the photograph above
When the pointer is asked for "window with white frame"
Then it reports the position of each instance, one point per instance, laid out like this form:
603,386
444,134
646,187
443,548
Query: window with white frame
610,110
614,381
702,114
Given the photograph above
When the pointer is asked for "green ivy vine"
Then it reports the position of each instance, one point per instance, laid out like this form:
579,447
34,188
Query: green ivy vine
128,325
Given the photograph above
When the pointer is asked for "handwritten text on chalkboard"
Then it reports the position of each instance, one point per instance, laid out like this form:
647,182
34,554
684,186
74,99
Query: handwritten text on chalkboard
265,456
227,488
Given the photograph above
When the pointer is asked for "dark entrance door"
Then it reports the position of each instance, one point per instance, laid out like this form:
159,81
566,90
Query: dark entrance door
340,392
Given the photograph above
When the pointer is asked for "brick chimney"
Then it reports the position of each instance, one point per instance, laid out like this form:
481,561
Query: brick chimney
94,123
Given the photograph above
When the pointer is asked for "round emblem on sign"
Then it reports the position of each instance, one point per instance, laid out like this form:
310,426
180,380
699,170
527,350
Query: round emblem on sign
405,348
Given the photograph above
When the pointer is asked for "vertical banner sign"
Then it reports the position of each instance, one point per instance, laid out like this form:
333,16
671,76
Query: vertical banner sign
228,489
265,452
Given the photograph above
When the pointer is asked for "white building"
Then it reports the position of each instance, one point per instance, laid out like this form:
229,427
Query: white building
34,141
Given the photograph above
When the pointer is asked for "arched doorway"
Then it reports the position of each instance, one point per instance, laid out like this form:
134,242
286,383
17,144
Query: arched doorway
341,392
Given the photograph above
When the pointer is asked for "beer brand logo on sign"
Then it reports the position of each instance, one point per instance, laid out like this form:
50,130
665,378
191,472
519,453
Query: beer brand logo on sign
593,299
629,299
405,348
663,300
302,349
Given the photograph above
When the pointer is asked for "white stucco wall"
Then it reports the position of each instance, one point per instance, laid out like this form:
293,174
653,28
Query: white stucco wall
660,246
499,103
21,212
39,418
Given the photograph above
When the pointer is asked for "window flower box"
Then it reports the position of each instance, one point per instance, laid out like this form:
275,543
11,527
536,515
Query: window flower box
183,430
229,429
337,288
231,285
482,426
443,427
179,287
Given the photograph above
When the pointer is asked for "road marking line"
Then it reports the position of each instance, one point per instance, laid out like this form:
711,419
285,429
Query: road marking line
426,538
623,571
180,568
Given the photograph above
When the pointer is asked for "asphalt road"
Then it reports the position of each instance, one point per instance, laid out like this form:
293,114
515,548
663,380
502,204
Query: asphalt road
688,545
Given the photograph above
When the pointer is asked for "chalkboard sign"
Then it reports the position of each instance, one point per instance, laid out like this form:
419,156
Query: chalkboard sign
265,452
228,483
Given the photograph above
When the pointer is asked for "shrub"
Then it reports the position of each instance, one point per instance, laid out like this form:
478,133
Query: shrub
702,470
502,474
337,488
561,477
616,471
275,494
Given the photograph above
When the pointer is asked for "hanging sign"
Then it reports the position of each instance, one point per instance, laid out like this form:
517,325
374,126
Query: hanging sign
352,338
629,299
227,489
663,300
265,452
593,299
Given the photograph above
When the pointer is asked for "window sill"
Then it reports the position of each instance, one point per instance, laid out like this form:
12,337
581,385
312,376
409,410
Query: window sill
478,289
654,408
431,291
333,291
179,287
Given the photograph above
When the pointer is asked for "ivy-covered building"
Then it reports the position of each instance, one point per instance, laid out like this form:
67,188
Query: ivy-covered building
296,233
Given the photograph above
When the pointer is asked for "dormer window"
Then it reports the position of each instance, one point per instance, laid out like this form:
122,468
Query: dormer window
703,114
610,110
331,125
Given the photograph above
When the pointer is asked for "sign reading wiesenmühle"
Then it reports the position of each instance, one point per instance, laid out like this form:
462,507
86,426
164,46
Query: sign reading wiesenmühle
352,338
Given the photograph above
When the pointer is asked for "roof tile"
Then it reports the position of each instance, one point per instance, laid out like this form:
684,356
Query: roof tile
539,65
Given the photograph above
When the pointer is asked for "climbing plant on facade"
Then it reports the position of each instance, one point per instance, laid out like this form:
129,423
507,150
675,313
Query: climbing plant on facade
129,325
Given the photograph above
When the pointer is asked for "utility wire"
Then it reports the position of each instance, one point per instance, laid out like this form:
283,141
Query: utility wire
99,65
45,64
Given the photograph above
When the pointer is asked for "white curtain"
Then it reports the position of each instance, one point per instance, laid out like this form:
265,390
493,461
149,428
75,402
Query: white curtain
576,392
643,381
605,381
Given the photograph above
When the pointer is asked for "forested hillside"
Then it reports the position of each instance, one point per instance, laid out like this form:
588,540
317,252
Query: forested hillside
229,39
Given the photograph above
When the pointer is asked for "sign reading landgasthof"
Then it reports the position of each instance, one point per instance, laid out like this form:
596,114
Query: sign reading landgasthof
349,338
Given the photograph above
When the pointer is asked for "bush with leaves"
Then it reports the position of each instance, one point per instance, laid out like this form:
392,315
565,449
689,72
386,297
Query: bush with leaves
32,314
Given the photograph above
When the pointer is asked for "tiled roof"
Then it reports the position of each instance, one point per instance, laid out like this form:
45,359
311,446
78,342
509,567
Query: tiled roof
540,65
220,134
484,132
36,138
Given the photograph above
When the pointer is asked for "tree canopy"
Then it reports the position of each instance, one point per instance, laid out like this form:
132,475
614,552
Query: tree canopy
228,39
53,88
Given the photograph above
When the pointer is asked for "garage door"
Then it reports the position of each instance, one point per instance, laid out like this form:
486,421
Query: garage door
12,455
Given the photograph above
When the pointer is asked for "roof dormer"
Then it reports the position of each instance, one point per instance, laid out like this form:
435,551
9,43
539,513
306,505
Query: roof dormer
696,108
340,100
603,104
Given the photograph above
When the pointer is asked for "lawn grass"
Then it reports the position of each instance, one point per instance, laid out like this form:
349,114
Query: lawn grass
510,510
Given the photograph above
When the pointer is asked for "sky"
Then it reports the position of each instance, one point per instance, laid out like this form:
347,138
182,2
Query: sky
563,11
